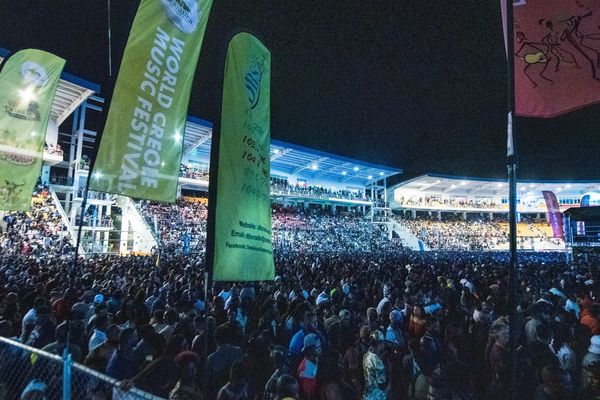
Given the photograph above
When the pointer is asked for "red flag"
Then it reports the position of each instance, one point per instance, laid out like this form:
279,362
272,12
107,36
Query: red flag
557,56
554,213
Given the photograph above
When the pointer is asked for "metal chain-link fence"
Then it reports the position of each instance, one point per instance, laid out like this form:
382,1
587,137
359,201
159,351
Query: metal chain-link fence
27,372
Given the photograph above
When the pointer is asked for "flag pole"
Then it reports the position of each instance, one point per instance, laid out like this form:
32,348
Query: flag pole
512,197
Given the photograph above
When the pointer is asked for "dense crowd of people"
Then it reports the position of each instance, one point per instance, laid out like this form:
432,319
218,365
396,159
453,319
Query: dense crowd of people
193,173
286,188
180,226
339,321
447,202
457,234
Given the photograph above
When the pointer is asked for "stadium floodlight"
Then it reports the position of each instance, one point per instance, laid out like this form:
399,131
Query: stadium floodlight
559,188
569,185
498,185
463,183
453,186
314,167
438,181
532,185
370,177
344,172
97,175
276,151
177,136
33,133
381,174
355,169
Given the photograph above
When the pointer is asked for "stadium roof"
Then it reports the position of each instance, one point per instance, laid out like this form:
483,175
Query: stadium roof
293,160
71,92
434,184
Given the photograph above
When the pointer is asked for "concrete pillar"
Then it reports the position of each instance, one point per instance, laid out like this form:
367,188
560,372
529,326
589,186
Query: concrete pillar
464,216
414,214
439,215
491,216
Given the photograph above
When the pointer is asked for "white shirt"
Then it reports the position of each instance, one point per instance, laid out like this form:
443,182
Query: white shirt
28,319
98,337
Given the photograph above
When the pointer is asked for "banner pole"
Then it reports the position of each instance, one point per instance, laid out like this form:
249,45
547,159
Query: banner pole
512,184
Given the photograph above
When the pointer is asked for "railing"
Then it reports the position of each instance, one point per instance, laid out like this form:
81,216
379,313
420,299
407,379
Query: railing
27,372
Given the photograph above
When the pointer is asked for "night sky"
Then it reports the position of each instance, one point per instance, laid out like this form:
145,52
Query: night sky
419,85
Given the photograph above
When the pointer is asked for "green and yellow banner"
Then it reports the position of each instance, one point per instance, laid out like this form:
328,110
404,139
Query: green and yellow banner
243,249
142,141
28,82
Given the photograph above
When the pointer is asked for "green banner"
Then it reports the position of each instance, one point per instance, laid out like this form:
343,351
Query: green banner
142,141
28,82
243,248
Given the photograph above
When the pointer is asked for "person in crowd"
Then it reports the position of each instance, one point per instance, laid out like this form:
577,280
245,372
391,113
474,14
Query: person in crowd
237,388
220,361
187,387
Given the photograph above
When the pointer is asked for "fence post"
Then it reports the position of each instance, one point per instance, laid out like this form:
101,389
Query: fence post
67,369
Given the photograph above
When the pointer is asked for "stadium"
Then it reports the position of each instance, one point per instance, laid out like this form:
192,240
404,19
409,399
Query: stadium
386,285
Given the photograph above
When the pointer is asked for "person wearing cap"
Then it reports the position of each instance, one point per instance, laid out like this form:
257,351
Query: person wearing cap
374,368
307,370
35,390
592,356
393,332
310,326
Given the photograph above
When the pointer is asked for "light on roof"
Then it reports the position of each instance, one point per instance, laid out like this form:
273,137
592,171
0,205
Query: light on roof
33,133
569,185
355,169
438,181
276,151
162,164
381,174
498,185
453,186
344,172
314,167
177,136
97,175
559,188
463,183
532,185
370,177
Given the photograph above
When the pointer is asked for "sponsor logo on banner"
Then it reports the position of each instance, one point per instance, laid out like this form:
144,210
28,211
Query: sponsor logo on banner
253,81
184,14
34,74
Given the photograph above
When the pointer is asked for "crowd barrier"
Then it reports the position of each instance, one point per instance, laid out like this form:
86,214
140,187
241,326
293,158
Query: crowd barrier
26,372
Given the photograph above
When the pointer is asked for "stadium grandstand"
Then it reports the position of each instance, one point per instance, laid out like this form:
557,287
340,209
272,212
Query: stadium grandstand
381,292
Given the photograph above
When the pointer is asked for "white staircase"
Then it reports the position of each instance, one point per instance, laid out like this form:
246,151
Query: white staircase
65,220
136,234
408,239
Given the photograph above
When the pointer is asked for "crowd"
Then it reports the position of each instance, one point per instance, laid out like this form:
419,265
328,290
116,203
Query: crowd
436,201
36,234
316,231
180,226
193,173
456,234
340,321
285,188
476,235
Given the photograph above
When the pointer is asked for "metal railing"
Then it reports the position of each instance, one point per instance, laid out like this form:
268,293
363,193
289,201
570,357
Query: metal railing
25,369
